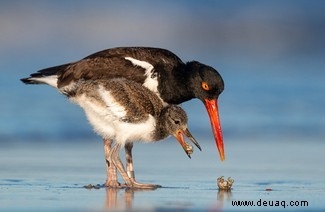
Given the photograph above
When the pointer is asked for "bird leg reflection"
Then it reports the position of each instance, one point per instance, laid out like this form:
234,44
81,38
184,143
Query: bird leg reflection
114,199
111,197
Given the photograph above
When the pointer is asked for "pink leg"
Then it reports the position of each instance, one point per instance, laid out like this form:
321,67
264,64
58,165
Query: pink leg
129,161
130,169
115,159
111,180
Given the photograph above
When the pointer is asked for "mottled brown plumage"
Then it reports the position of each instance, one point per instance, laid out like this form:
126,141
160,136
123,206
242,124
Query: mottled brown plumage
125,111
138,100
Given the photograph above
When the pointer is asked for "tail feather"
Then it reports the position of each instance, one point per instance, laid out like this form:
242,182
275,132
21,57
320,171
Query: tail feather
30,80
46,76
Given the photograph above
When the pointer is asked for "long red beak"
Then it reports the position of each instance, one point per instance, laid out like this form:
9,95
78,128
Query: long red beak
212,108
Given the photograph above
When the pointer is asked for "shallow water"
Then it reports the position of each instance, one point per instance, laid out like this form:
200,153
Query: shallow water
51,176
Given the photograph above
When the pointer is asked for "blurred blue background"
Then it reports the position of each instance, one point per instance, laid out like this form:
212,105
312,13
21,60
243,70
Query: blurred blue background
270,54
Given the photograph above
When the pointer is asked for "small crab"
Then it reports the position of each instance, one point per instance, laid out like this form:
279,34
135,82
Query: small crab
189,148
225,184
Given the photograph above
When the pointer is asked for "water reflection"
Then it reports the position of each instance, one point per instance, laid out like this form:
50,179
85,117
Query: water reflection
222,196
117,198
121,198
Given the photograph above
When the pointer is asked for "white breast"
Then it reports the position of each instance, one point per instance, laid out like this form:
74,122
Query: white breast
101,119
135,132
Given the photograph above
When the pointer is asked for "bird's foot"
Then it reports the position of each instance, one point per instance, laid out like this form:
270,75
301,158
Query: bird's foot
136,184
114,184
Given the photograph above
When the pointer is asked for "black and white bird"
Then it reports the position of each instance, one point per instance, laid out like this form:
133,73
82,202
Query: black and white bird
159,70
124,111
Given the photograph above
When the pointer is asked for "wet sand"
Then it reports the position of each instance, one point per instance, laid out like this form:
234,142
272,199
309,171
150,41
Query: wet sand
51,176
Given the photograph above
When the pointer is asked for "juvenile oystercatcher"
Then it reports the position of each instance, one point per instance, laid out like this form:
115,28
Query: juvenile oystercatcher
124,111
159,70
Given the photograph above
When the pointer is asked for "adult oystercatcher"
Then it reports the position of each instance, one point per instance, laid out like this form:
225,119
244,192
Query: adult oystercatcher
159,70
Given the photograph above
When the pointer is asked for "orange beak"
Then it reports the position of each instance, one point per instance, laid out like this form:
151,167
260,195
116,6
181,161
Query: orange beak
179,136
212,108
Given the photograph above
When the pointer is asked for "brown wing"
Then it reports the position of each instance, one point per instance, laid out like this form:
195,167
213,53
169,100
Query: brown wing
101,68
111,63
139,100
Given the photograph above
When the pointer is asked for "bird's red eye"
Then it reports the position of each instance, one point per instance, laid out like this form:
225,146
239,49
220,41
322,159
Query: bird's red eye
205,86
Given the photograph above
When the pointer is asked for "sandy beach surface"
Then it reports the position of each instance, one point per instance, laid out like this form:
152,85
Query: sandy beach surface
51,176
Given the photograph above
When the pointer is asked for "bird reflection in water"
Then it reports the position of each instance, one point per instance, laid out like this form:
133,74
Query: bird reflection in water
116,199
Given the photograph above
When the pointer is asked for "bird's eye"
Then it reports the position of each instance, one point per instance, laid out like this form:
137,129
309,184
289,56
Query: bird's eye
176,121
205,86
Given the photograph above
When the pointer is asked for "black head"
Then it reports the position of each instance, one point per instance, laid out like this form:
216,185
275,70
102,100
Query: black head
206,85
206,82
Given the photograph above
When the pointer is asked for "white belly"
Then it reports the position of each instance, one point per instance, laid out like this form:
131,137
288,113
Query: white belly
135,132
108,123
